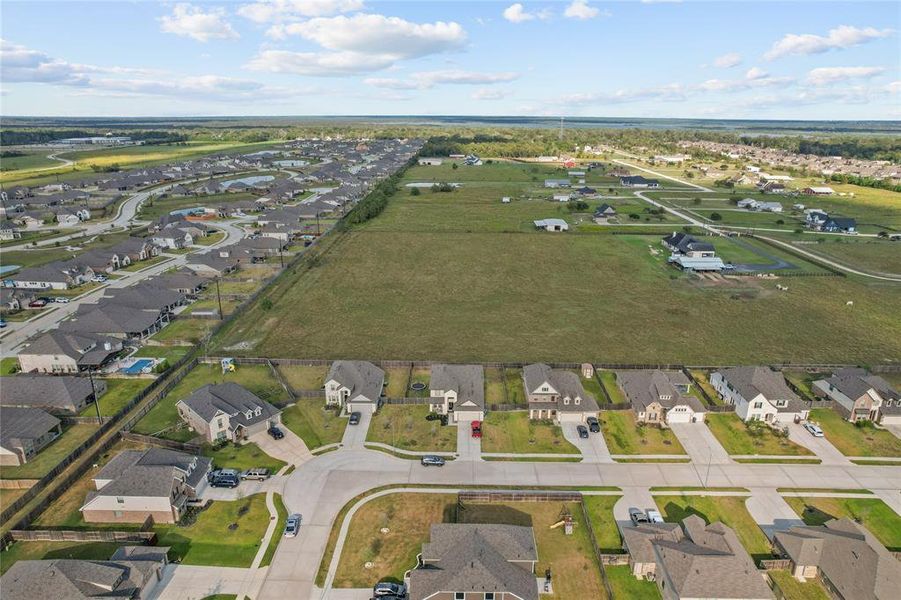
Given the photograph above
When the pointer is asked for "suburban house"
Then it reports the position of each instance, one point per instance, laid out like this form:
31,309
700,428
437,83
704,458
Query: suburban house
227,412
465,561
60,352
690,254
696,561
604,212
8,231
132,250
660,397
758,394
52,276
846,557
137,484
839,225
859,396
552,224
814,218
355,385
557,394
818,191
458,391
64,395
132,573
173,238
637,181
183,281
108,318
25,432
771,187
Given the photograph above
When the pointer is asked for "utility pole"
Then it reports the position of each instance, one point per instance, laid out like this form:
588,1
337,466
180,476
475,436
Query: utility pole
317,224
219,299
96,398
281,256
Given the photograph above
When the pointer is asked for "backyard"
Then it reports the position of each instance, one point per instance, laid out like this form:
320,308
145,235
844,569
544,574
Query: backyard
51,550
45,460
855,440
406,427
300,377
119,392
600,511
872,513
315,424
625,436
515,432
738,437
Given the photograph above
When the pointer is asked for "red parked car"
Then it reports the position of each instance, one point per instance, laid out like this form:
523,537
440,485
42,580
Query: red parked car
476,429
39,303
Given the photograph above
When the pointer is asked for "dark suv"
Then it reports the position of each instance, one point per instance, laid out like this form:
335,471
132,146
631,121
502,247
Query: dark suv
593,425
276,433
225,480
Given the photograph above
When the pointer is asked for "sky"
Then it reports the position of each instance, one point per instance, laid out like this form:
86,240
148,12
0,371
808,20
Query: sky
643,58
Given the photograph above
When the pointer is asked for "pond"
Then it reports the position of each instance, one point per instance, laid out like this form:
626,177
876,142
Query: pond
252,180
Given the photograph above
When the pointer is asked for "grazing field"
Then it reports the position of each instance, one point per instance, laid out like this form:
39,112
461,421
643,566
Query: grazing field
624,436
872,513
515,432
869,254
315,424
406,427
855,440
462,266
738,437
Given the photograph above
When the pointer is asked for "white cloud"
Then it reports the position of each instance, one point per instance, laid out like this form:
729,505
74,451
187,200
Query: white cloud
191,21
727,61
671,92
21,64
273,11
489,94
516,13
317,64
579,9
754,78
429,79
756,73
894,87
827,75
844,36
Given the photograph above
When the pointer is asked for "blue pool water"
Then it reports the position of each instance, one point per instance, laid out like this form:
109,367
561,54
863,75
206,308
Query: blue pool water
138,367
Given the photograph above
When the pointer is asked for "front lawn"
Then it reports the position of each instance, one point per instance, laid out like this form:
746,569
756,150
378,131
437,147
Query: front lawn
515,432
623,584
315,424
728,509
243,457
872,513
855,440
304,378
406,427
119,392
600,511
625,436
571,558
792,589
227,534
407,517
45,460
145,264
738,437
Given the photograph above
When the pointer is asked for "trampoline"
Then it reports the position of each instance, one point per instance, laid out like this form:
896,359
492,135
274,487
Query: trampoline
417,387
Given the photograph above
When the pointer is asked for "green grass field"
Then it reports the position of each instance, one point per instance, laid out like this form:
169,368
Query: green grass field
243,457
600,511
313,423
739,438
406,427
45,460
515,432
496,293
623,436
119,392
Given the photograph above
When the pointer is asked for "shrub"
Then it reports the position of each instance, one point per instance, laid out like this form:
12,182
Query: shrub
266,304
716,216
414,191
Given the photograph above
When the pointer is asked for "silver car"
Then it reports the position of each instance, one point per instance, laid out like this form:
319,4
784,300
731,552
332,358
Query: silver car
814,430
292,525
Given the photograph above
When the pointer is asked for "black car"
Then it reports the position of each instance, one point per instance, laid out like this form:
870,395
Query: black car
276,433
225,481
593,425
386,589
218,472
583,431
354,418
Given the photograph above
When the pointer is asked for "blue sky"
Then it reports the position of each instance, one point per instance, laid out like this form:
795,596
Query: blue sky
795,60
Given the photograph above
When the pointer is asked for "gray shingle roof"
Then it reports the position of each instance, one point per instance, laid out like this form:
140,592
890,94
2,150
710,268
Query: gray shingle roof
467,380
476,558
110,318
24,424
566,383
231,399
60,393
150,473
77,346
647,386
362,378
751,381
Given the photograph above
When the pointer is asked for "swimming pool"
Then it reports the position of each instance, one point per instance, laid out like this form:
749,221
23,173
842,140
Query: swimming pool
138,367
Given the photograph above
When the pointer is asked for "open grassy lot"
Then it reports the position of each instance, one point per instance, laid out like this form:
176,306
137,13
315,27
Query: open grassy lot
570,557
40,464
407,517
853,440
737,437
625,436
36,236
872,513
406,427
119,392
185,331
792,589
728,509
302,377
227,534
243,457
625,585
256,378
315,424
868,254
514,431
600,511
49,550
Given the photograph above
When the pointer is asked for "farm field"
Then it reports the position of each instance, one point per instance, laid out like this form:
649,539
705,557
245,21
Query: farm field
868,254
463,266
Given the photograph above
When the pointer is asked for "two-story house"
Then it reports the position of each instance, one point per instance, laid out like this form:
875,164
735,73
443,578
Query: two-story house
759,394
354,385
557,394
227,412
860,396
458,391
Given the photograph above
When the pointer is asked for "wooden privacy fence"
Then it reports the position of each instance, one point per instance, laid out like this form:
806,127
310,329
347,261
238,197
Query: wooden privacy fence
69,535
160,442
771,564
518,496
613,560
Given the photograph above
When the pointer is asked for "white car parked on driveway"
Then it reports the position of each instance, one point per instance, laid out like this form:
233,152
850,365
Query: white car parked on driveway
814,430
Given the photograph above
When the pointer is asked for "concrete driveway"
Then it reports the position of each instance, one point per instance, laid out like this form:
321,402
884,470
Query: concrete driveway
818,445
700,444
355,435
468,447
246,488
770,510
188,581
895,429
290,448
594,449
633,497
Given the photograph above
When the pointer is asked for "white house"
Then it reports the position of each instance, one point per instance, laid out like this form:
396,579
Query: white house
758,394
430,161
355,385
552,225
458,391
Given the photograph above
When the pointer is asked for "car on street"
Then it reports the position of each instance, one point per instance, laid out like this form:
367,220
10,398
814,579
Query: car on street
654,516
292,525
814,430
61,300
354,418
638,517
275,433
583,432
226,480
389,589
476,427
430,460
39,303
99,278
593,424
258,474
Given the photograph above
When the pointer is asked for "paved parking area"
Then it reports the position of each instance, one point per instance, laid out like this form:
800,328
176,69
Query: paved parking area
246,488
770,510
818,445
290,448
700,444
594,449
355,435
468,447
